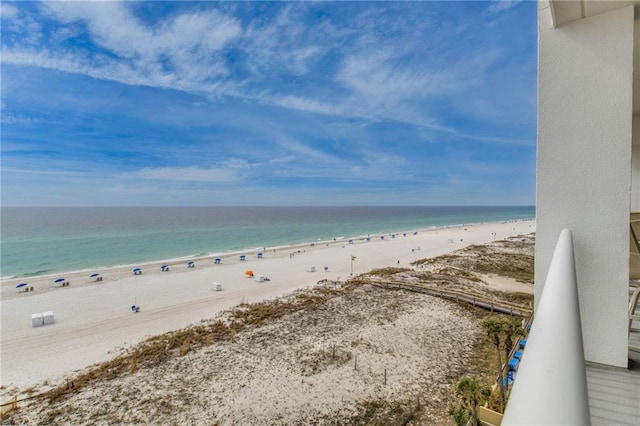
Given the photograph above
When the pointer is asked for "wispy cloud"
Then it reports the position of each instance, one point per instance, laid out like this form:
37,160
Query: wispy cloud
353,94
225,174
498,6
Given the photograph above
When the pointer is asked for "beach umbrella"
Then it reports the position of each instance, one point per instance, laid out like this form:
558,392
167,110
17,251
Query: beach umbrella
191,264
137,271
218,260
249,273
21,285
59,280
94,275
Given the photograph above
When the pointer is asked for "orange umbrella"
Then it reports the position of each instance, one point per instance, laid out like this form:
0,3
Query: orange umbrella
249,273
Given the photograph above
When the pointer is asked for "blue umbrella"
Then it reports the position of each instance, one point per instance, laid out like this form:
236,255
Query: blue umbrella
190,264
94,275
21,285
59,280
137,269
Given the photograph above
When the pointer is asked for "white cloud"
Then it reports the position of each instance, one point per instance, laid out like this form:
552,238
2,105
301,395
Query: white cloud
230,171
177,53
7,10
498,6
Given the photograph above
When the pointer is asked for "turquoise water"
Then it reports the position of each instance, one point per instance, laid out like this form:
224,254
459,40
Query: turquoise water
46,240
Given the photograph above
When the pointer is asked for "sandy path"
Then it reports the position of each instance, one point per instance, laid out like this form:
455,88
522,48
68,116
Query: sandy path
94,319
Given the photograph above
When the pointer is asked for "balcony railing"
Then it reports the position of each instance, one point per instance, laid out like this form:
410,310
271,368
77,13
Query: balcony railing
551,382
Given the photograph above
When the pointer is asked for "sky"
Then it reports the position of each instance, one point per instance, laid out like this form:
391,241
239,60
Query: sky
268,103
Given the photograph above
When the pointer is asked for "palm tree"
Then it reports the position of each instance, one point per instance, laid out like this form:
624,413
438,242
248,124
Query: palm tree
459,413
494,327
511,328
472,392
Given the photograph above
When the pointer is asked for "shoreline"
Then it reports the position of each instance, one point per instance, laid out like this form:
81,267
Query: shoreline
233,252
93,320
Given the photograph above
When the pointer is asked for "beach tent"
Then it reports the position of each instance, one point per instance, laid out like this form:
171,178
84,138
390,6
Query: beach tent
259,278
137,271
96,276
22,286
191,265
382,237
248,273
243,257
350,241
311,269
218,260
217,286
61,281
259,255
164,268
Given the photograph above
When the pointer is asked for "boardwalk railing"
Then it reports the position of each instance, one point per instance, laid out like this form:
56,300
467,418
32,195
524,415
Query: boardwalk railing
551,382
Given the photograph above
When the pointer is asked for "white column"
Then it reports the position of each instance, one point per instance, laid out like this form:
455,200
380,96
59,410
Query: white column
585,79
635,164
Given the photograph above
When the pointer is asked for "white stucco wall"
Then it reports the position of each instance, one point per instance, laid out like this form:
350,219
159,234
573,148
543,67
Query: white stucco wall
584,167
635,162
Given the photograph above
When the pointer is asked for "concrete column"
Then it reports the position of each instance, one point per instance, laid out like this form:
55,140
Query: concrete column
585,80
635,162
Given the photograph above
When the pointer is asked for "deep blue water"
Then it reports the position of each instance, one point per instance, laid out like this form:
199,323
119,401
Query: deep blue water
45,240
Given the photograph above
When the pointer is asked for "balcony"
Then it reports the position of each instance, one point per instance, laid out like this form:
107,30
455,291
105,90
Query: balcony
554,384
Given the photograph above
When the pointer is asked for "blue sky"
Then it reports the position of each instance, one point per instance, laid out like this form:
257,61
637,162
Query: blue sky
268,103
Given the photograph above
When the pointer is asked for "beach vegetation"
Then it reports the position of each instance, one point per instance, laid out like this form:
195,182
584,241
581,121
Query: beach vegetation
511,258
471,392
387,272
458,413
501,331
156,350
380,412
481,359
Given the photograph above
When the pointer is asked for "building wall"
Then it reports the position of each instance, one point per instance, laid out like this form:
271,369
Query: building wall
585,76
635,162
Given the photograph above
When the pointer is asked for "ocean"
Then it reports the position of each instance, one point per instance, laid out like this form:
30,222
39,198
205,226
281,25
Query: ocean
47,240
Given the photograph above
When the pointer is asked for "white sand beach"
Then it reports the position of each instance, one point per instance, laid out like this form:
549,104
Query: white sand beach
93,320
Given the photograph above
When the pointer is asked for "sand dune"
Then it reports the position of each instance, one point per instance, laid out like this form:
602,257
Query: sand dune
94,319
